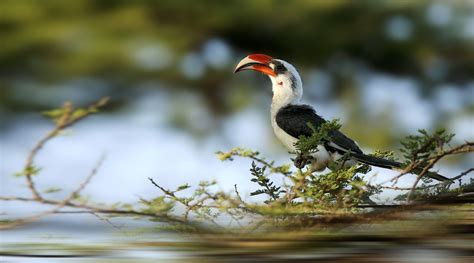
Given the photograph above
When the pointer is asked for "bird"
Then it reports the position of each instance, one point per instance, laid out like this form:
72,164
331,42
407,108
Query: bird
290,119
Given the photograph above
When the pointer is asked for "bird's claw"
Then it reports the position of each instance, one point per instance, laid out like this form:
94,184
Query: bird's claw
301,160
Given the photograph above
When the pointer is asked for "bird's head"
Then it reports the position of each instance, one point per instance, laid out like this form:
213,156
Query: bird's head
286,82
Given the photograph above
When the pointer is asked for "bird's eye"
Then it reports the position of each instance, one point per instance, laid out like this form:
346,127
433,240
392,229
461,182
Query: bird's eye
280,67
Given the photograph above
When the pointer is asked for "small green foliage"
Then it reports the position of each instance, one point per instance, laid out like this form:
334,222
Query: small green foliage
127,206
341,188
54,114
68,115
182,187
80,113
6,222
81,198
29,170
52,190
255,156
282,169
242,152
320,136
389,155
420,148
262,179
158,205
427,192
303,198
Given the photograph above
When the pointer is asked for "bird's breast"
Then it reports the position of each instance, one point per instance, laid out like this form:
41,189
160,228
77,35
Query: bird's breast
321,157
287,140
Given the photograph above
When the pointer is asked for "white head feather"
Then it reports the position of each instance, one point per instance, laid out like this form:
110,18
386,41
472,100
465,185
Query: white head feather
286,85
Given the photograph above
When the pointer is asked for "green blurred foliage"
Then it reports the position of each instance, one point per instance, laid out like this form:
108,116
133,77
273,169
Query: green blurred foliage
55,42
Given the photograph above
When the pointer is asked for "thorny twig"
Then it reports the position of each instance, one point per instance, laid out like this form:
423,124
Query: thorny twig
427,186
202,201
106,220
66,120
466,147
164,190
186,203
97,209
223,202
254,156
463,148
59,205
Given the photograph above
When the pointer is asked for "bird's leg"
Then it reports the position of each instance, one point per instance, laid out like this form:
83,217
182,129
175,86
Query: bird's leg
301,160
342,161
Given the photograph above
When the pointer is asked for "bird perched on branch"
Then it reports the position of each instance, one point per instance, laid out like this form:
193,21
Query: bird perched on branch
290,119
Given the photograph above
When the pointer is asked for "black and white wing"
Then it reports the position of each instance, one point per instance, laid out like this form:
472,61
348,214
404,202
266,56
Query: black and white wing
294,119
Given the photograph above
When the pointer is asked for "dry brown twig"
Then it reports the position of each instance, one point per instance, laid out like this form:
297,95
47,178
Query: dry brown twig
60,204
428,186
66,120
464,148
69,116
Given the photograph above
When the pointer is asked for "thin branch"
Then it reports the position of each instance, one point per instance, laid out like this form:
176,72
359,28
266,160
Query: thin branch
413,188
462,174
262,161
96,209
63,122
88,179
106,220
428,186
425,170
238,194
394,188
431,163
463,148
164,190
60,204
88,208
67,118
254,156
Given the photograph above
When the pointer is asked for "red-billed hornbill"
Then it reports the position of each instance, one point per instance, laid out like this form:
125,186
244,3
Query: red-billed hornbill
290,120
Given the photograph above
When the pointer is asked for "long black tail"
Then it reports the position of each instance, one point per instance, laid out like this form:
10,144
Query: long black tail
384,163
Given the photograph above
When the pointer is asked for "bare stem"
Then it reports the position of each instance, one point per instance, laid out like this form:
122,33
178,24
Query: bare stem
59,204
63,122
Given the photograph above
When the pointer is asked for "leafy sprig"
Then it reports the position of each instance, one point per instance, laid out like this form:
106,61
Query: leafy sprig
321,135
262,180
302,195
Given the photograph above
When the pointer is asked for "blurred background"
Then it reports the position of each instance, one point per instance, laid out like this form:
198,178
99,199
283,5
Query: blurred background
384,68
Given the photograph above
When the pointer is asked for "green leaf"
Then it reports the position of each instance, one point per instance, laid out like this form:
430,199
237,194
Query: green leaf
182,187
54,113
30,170
52,190
79,113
